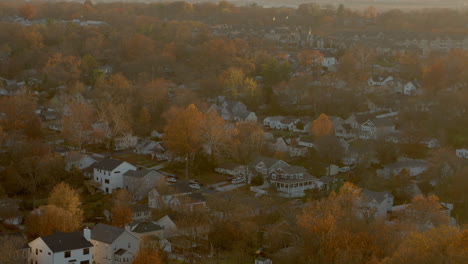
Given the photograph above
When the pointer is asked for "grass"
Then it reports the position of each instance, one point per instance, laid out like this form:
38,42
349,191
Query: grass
208,178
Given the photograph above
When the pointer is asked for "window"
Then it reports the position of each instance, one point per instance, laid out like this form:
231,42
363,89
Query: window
67,254
37,251
85,251
129,245
49,253
84,262
106,181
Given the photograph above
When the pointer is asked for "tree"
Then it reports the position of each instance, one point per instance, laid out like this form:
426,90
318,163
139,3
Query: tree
331,231
63,196
48,219
215,134
77,122
117,118
370,12
62,70
18,111
184,132
27,11
424,213
311,58
33,171
121,211
322,126
437,245
329,149
434,76
147,256
232,79
247,141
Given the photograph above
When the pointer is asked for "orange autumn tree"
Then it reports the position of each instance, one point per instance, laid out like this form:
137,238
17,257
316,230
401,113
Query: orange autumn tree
331,229
322,126
121,211
147,256
183,132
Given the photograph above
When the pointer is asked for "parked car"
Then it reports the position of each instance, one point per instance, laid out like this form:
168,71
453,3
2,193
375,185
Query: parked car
193,182
195,186
171,179
238,180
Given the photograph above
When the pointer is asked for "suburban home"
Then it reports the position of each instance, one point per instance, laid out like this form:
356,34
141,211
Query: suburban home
231,168
149,147
273,122
462,153
108,173
430,143
113,245
62,247
306,142
18,255
144,229
139,182
375,204
78,160
178,196
291,181
9,212
125,142
413,166
263,260
446,208
411,88
140,212
372,129
231,110
169,227
378,80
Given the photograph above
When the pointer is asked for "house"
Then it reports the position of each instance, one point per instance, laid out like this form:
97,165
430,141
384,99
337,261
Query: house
19,254
113,245
169,227
413,166
374,128
375,204
143,229
108,173
178,196
139,182
140,212
462,153
149,147
306,142
378,80
290,181
62,247
231,110
78,160
231,168
9,212
125,142
430,143
411,88
263,260
273,122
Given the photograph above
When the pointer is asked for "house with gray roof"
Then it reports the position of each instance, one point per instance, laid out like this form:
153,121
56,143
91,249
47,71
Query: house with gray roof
60,247
139,182
178,196
231,110
113,245
413,167
375,204
108,174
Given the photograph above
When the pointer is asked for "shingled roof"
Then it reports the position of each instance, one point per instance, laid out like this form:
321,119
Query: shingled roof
106,233
108,164
60,241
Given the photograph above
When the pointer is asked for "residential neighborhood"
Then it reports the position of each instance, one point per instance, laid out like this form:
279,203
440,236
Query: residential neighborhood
211,132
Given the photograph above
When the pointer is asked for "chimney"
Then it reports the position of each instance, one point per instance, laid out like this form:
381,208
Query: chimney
87,233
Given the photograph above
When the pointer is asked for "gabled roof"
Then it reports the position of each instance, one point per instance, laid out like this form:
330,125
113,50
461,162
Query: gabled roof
145,227
176,188
140,208
371,195
108,164
267,161
106,233
60,241
138,173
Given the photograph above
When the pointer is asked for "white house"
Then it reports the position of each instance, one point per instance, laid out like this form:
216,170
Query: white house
139,182
108,173
462,153
375,204
78,160
177,196
125,142
62,248
231,110
379,80
411,88
231,168
113,245
413,166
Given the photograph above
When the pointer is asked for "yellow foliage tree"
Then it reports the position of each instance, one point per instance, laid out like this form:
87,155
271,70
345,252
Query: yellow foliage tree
65,197
322,126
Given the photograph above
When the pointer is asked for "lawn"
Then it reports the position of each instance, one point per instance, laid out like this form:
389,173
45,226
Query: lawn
208,178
